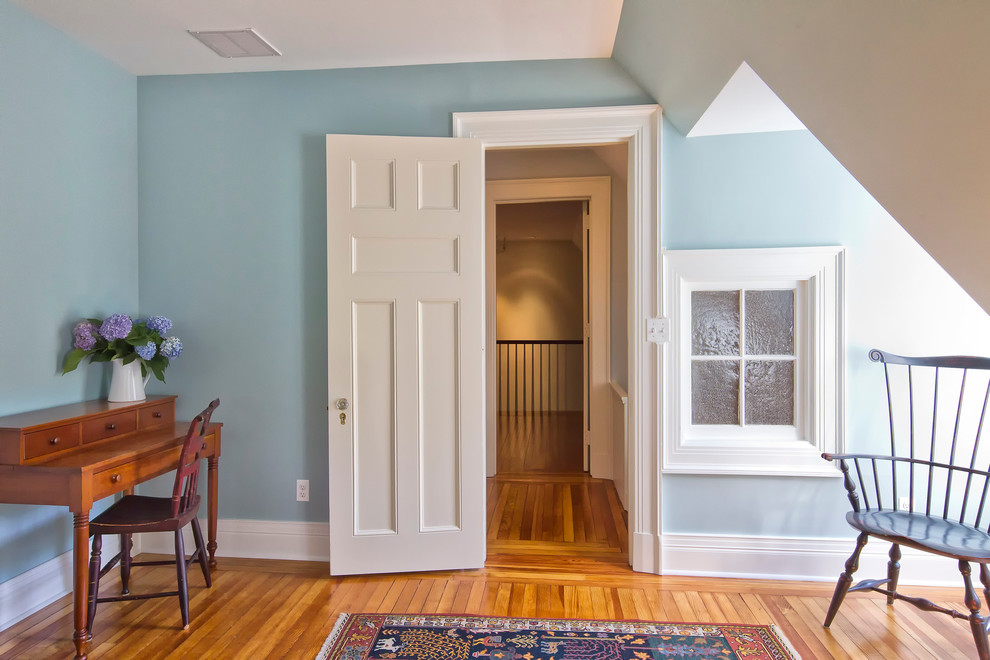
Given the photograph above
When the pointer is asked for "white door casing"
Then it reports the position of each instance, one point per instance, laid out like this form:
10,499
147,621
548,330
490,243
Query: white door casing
639,128
405,298
596,190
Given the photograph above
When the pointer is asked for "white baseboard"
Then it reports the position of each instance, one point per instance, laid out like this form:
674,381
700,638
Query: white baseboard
811,559
255,539
645,553
22,596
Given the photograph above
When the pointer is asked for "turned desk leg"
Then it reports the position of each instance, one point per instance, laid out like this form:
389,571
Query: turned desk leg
212,473
80,581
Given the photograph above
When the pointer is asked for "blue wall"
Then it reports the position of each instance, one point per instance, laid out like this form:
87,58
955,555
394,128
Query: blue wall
68,234
233,237
786,189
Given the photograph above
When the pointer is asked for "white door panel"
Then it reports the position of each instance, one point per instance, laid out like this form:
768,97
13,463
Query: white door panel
406,350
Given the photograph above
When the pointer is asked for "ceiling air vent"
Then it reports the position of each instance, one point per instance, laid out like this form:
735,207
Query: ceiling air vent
236,43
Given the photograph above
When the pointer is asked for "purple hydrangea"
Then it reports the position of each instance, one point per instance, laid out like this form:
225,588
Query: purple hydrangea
159,324
171,348
116,326
147,351
82,335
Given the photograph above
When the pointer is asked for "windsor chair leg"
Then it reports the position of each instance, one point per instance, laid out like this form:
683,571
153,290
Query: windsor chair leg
95,564
976,622
201,551
180,571
985,579
845,580
893,570
126,544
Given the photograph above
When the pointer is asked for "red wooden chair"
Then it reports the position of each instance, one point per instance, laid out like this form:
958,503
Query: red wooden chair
135,514
931,491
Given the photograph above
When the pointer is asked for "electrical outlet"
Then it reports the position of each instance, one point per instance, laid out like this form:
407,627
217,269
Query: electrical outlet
302,490
903,503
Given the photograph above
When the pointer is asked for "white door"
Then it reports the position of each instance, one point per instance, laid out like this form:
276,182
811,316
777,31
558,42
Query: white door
405,289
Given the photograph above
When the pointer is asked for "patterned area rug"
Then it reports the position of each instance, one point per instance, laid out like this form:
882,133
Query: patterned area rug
454,637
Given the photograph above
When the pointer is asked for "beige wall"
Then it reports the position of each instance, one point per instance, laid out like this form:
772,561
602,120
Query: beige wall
538,290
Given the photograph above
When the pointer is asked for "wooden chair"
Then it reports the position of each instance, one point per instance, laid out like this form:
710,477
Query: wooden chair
929,493
135,514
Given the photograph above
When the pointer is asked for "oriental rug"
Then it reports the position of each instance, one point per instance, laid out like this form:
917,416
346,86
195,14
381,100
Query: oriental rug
465,637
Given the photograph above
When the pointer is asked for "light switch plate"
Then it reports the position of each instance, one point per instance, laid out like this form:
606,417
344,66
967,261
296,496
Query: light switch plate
658,330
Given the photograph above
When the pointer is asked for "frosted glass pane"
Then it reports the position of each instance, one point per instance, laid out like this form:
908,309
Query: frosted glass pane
770,392
715,392
770,322
714,323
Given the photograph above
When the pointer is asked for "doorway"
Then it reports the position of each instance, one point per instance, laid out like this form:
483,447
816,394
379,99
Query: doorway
540,286
553,450
639,128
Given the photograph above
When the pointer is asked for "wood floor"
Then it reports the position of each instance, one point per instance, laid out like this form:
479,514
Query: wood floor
556,549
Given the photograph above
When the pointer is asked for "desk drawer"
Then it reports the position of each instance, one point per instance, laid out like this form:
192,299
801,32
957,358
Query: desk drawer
162,414
50,440
109,426
113,480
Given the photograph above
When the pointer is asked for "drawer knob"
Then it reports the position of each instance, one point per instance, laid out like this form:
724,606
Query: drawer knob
111,427
115,478
53,441
204,445
156,415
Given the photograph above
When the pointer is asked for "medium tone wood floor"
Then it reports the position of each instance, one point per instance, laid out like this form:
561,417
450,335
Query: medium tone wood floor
540,443
556,549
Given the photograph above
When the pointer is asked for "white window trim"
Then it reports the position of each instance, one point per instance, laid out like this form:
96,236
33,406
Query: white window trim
818,273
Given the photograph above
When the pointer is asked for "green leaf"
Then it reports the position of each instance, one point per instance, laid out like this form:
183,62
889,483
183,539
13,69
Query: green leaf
102,356
96,322
72,360
158,369
129,358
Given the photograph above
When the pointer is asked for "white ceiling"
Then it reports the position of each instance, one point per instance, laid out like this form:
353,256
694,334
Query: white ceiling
149,37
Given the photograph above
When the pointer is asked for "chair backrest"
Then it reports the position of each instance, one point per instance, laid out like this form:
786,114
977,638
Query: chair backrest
936,409
187,474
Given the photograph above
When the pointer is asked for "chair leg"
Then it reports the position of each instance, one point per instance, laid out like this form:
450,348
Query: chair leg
893,570
125,563
985,579
845,580
201,551
975,620
94,581
180,571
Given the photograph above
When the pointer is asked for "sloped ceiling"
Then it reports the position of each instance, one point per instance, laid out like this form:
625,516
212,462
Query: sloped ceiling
898,91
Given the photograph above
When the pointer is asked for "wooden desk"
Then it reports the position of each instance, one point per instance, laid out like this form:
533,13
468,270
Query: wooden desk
77,454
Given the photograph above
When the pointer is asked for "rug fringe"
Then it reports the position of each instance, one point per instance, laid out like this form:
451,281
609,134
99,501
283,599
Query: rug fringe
338,627
783,641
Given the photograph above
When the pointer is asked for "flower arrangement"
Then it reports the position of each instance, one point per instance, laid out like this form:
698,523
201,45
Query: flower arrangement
118,336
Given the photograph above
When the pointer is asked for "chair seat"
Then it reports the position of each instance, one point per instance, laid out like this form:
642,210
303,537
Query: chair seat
932,533
133,514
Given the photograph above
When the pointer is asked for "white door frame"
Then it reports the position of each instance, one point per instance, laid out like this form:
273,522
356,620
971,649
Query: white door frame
596,190
639,127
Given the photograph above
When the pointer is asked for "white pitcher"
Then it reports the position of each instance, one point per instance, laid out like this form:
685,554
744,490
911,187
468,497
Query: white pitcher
126,383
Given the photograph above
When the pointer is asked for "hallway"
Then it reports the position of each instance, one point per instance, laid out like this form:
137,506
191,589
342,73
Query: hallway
542,508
